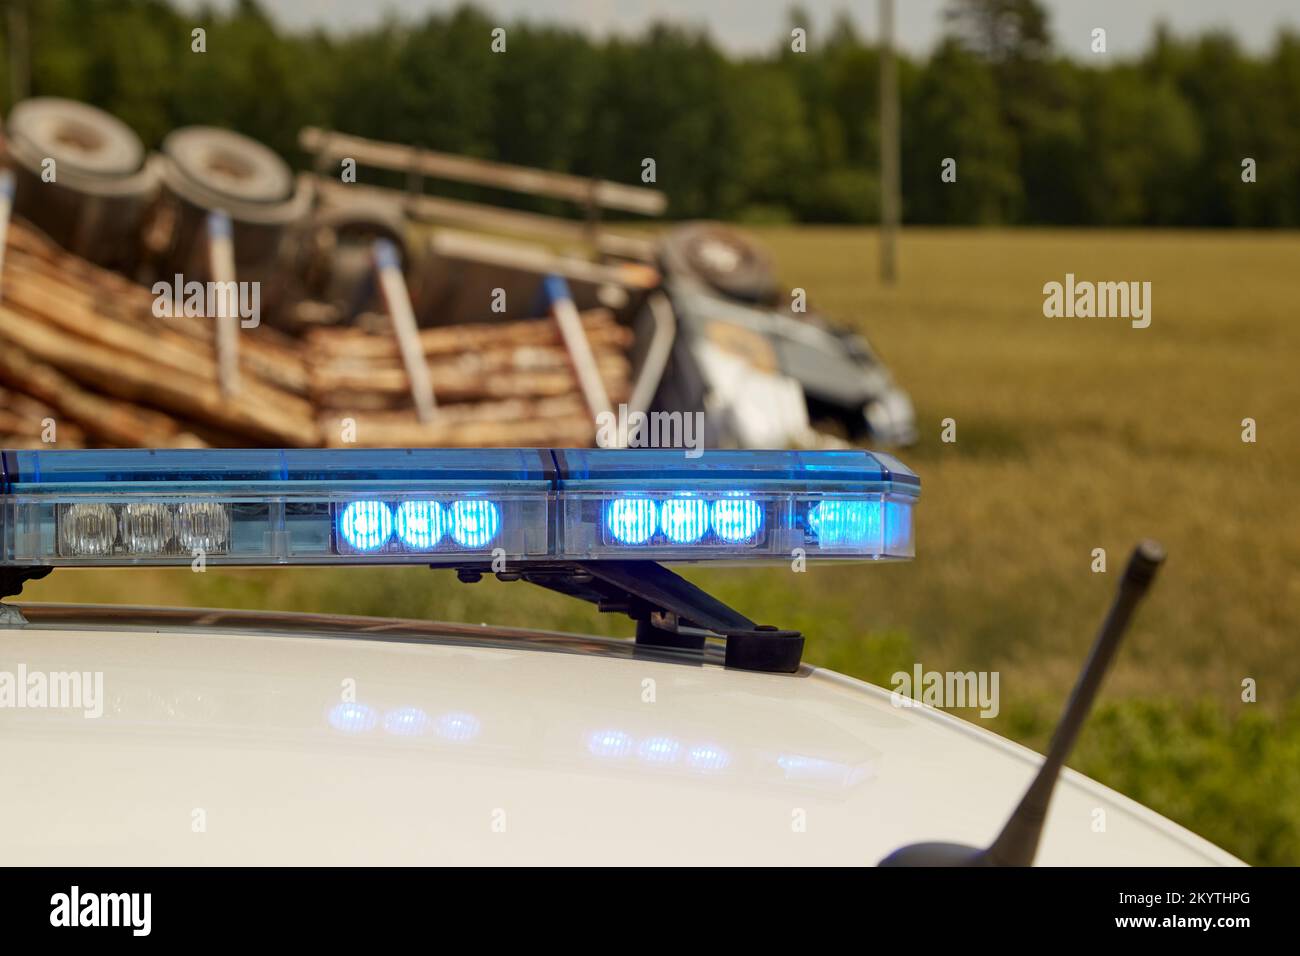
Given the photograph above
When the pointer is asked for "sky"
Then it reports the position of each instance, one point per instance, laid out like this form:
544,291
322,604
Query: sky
751,25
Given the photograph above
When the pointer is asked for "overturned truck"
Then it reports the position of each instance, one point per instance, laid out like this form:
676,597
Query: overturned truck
388,315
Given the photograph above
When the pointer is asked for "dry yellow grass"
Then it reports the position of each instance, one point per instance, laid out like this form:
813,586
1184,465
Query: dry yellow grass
1079,433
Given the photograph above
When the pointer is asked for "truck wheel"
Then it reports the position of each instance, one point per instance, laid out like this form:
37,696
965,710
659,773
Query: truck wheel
96,203
342,241
227,165
78,137
721,257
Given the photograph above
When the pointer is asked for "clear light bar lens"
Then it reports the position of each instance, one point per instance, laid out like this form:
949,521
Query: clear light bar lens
141,529
202,526
146,527
87,529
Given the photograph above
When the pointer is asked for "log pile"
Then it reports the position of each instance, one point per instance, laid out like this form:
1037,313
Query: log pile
495,384
85,341
81,346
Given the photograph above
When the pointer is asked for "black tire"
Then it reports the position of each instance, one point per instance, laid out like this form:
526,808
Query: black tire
722,258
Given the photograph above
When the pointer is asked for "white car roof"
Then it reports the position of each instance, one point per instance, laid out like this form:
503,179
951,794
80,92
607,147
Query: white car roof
226,738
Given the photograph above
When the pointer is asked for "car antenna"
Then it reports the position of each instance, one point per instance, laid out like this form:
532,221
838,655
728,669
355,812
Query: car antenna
1018,841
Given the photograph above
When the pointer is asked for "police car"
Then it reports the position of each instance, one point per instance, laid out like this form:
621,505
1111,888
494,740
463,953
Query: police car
166,736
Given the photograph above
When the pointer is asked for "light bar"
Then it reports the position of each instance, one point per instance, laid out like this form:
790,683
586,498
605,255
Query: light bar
448,506
658,505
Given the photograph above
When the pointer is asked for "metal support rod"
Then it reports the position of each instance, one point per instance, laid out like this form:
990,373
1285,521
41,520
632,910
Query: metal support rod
221,267
392,285
656,354
6,207
575,341
19,50
890,200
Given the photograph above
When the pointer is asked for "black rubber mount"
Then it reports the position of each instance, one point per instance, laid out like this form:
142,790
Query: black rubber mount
643,589
765,649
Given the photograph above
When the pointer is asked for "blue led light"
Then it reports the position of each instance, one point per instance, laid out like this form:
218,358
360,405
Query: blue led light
736,518
845,523
366,525
610,743
352,718
631,520
420,524
406,722
474,522
684,519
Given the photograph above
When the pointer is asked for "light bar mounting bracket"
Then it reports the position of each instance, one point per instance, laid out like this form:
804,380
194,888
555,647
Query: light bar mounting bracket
670,612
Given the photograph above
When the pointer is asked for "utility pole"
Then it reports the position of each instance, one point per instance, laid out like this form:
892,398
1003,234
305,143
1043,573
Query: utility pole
16,28
890,201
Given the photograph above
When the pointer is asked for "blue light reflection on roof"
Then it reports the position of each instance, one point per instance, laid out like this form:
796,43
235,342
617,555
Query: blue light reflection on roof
352,718
458,726
708,758
610,743
658,750
406,722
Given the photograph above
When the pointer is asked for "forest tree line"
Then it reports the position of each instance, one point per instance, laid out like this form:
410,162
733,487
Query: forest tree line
1038,138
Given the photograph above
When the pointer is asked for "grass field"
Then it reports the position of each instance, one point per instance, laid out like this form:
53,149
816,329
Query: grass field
1072,434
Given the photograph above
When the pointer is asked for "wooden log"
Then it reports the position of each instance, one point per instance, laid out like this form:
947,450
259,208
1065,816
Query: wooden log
85,343
466,169
275,418
103,419
510,409
386,376
439,433
21,440
455,212
24,417
602,331
165,352
371,389
180,341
